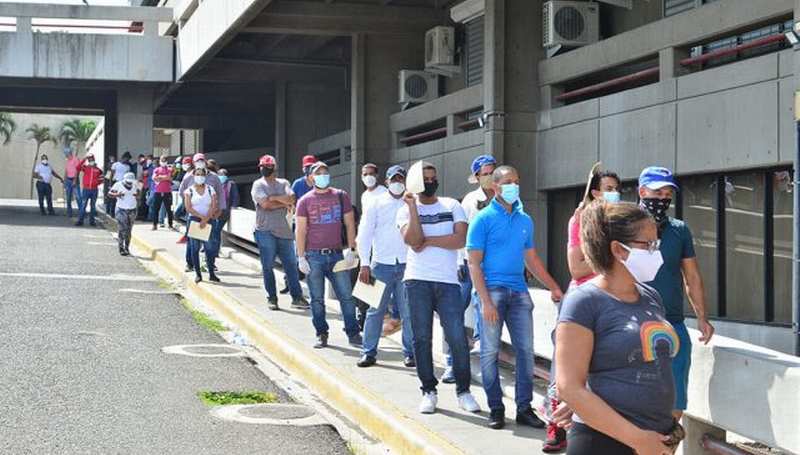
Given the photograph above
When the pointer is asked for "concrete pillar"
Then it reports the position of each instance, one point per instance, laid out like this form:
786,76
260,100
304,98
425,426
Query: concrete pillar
358,105
695,430
23,42
451,124
135,121
494,76
280,128
24,25
669,62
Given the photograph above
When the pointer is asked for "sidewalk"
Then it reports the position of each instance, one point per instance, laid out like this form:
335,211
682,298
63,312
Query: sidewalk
382,400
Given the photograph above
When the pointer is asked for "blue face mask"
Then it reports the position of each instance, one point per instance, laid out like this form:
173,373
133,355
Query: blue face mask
322,181
223,179
509,192
611,196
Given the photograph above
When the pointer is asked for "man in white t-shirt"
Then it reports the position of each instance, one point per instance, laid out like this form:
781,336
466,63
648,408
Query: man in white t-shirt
125,192
435,229
118,171
43,173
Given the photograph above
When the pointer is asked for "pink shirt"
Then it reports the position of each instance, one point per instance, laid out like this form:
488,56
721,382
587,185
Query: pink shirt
73,164
164,186
574,241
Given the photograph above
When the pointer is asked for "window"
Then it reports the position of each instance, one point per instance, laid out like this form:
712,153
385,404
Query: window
673,7
473,50
782,198
700,213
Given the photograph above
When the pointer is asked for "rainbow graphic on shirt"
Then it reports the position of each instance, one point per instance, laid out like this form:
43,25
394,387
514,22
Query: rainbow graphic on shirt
657,336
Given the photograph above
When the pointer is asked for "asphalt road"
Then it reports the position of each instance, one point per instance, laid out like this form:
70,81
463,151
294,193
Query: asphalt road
81,366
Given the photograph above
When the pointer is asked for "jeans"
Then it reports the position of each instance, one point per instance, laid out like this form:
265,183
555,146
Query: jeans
166,200
125,219
110,202
91,197
515,309
268,247
45,192
425,297
194,252
151,206
321,268
392,277
470,299
189,262
71,188
215,241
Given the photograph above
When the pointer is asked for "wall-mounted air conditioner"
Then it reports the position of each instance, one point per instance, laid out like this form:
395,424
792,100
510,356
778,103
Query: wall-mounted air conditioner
418,86
440,50
570,24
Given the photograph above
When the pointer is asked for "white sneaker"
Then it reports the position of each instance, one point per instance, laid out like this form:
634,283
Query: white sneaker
467,402
428,403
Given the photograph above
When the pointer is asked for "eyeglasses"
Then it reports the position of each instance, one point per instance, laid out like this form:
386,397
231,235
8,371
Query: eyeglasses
652,246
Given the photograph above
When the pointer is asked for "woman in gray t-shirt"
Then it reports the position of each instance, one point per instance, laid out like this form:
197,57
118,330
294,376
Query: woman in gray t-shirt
612,336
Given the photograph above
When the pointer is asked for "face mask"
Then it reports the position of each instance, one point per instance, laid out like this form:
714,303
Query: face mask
91,163
611,196
200,179
267,171
163,163
485,181
185,167
128,185
223,179
510,192
643,264
369,180
149,162
322,181
44,162
657,208
430,188
200,165
397,188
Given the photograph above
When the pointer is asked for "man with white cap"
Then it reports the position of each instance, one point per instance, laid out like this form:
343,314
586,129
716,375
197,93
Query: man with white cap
125,193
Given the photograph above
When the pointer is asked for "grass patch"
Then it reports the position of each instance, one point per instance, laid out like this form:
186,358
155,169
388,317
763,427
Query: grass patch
228,398
203,319
164,284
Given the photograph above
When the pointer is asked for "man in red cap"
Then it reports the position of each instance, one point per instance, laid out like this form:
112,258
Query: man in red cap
92,178
212,180
304,184
273,198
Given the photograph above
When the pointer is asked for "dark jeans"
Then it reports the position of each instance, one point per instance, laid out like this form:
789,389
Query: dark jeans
268,247
584,440
45,192
72,188
91,197
194,246
321,268
110,202
166,199
425,297
216,237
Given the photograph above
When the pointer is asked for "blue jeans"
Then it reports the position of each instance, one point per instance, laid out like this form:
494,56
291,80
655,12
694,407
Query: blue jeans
681,365
91,197
268,247
215,241
515,309
71,188
193,247
392,276
425,297
151,206
321,268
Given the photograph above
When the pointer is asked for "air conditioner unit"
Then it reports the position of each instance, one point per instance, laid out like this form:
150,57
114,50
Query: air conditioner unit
570,24
440,49
418,86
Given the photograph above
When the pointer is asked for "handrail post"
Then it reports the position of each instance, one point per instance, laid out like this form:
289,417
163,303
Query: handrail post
695,430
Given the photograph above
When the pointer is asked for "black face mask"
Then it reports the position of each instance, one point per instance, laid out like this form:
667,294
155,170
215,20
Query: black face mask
267,171
128,186
657,208
430,188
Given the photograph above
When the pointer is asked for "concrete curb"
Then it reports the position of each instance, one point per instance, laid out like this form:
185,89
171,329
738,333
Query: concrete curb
372,413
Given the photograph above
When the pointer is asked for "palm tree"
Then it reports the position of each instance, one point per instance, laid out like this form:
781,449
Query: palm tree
77,131
7,127
40,134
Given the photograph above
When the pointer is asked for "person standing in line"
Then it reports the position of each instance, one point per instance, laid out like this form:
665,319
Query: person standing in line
320,216
500,246
435,229
222,205
150,185
125,192
374,190
118,171
300,187
180,212
680,273
211,180
200,200
230,191
272,197
162,178
72,187
383,255
614,344
92,178
43,173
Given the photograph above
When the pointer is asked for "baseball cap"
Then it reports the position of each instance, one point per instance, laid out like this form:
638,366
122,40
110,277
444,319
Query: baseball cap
395,170
477,164
266,160
655,177
317,165
308,160
198,157
187,160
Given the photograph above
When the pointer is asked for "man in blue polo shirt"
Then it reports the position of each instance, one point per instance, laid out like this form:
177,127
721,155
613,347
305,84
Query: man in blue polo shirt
500,247
679,273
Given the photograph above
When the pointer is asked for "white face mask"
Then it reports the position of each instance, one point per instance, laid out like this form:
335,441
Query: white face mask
163,163
200,179
643,264
369,180
185,167
397,188
44,162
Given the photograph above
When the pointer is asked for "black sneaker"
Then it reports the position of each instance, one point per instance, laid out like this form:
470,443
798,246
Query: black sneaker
355,340
300,302
213,277
189,268
198,278
528,418
79,223
284,290
322,341
409,362
366,361
497,419
272,304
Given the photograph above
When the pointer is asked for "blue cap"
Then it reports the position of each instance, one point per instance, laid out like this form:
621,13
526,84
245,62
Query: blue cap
395,170
655,177
481,161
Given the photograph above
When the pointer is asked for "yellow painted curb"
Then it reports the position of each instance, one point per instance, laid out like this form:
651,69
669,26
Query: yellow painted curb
372,413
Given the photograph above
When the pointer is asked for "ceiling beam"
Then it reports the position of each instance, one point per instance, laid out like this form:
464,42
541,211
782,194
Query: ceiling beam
239,70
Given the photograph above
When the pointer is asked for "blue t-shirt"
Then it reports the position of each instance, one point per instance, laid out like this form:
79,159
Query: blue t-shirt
300,187
676,245
631,364
503,237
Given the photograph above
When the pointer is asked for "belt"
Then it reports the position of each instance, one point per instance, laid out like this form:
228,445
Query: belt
326,251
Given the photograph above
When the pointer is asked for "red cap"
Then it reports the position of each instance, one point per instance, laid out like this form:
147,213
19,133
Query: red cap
308,160
198,157
186,160
266,160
